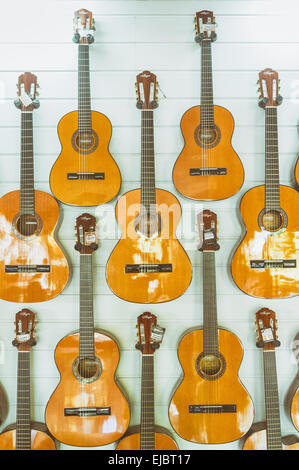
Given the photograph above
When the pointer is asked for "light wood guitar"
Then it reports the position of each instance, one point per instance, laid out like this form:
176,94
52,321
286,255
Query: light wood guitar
148,436
84,174
208,168
297,173
267,436
87,408
25,434
293,395
148,264
210,404
33,268
266,262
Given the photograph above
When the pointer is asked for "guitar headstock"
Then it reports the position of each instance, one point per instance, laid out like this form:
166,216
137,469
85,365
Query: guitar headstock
205,26
207,231
25,324
27,92
266,329
269,88
83,27
150,335
86,234
146,90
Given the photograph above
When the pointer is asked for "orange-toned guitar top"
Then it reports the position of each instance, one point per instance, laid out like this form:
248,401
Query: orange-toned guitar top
148,436
84,174
267,436
294,408
208,168
148,264
87,408
210,404
25,434
266,261
297,173
33,268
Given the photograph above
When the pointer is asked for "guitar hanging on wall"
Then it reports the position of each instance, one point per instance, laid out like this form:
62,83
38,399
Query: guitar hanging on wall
148,264
87,408
266,262
84,174
208,168
267,436
148,436
25,435
33,267
210,405
294,401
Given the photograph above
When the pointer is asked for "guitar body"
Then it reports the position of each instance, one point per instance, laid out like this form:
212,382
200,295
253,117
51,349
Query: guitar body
219,153
194,389
39,440
260,244
85,192
258,440
295,409
145,287
40,249
74,393
297,173
162,441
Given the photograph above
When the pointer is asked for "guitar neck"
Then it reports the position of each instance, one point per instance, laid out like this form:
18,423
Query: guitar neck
27,205
23,429
147,419
148,185
207,101
272,401
210,326
86,307
272,190
84,104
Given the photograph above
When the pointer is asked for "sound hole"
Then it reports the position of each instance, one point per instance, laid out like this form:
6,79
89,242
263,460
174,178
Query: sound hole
210,366
272,220
87,369
85,142
27,225
207,136
148,224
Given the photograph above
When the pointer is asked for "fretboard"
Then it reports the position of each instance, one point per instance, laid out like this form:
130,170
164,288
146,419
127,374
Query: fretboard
272,190
147,420
148,185
23,430
84,106
210,326
272,402
86,308
27,167
207,102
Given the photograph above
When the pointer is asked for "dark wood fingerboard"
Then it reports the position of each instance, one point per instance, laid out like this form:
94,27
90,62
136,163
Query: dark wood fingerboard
207,101
148,184
23,429
27,205
84,105
272,190
147,420
86,307
272,402
210,326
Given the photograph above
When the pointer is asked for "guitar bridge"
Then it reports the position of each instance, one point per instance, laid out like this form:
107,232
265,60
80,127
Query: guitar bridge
84,412
207,171
27,268
85,176
212,408
273,263
148,268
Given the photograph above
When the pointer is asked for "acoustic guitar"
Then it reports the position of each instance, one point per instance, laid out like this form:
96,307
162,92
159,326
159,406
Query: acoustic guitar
87,408
208,167
148,436
297,173
210,404
294,402
25,434
267,436
33,267
84,174
148,264
266,262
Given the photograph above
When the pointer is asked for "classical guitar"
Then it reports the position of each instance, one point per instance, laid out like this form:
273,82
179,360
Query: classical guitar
210,404
208,168
148,264
297,173
294,408
87,408
25,434
147,436
33,267
267,436
266,262
84,174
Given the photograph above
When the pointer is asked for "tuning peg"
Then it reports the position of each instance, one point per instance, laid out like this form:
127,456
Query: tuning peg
18,103
76,37
36,104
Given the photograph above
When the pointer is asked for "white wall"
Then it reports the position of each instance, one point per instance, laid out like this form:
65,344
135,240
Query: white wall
132,36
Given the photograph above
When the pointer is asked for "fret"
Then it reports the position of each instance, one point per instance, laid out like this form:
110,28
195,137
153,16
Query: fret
23,427
147,420
272,189
210,327
27,203
207,100
272,401
86,307
84,101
